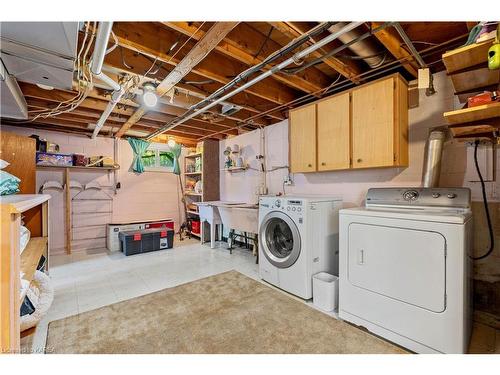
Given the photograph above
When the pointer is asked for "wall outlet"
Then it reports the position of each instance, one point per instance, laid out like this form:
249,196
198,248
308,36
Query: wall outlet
288,180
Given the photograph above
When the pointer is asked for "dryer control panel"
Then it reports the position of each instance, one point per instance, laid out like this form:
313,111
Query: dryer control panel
455,198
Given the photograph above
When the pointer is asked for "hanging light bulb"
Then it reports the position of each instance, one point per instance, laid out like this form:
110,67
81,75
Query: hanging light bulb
171,142
149,97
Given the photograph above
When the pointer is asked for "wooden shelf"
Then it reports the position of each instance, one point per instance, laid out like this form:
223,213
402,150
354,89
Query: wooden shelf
473,114
192,173
23,202
468,68
193,155
75,167
235,169
193,212
192,193
30,257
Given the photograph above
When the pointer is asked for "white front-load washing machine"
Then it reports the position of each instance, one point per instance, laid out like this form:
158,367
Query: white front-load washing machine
298,237
405,267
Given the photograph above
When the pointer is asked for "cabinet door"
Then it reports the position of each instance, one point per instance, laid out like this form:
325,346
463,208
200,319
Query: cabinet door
373,125
333,133
303,139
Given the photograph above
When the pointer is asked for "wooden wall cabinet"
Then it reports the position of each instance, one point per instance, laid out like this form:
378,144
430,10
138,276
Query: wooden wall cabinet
365,127
302,139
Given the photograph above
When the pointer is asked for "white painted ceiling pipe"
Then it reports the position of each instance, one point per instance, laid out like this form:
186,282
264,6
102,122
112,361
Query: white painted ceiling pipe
101,43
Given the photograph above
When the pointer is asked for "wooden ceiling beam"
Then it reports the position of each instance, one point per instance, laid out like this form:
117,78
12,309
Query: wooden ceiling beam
89,116
292,31
48,99
391,40
138,64
154,40
237,46
195,55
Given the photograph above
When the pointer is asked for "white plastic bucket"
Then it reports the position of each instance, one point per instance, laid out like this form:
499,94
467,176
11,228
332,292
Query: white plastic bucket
325,291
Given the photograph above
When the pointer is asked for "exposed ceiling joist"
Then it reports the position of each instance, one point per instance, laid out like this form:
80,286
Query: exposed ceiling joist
47,99
206,44
236,46
394,44
153,40
347,69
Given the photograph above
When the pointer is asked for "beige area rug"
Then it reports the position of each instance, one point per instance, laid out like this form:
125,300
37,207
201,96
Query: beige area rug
225,313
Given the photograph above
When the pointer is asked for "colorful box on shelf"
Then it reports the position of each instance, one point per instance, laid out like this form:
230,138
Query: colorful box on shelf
53,159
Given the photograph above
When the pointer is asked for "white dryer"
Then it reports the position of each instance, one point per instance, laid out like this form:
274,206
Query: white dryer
298,237
404,267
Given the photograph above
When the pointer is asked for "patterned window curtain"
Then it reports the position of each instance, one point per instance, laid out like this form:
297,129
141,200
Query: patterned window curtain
139,146
176,150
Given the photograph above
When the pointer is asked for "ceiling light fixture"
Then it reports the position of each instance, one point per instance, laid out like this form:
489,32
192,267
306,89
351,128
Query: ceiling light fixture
171,142
149,97
45,87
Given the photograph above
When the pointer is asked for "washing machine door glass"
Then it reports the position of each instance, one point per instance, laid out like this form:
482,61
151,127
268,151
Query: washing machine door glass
280,239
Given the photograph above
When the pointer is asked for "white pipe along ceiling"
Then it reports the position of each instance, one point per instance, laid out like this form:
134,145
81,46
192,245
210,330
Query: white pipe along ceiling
295,58
103,33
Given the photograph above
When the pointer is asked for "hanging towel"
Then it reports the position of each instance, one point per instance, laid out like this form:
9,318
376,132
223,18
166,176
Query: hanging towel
139,146
176,150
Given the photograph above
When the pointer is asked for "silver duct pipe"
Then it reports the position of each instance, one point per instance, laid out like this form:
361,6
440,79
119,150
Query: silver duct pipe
101,43
295,58
367,49
432,160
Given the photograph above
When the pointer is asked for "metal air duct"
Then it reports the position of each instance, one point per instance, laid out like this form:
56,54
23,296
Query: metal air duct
432,161
366,48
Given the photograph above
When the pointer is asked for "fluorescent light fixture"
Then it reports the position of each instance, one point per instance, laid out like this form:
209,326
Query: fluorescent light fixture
149,97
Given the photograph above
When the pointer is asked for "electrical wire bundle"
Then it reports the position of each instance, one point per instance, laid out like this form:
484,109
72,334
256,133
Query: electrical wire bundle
83,75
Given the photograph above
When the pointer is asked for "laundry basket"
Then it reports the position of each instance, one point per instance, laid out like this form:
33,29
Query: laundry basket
325,291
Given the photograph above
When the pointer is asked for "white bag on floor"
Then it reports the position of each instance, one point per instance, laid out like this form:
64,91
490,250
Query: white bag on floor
41,295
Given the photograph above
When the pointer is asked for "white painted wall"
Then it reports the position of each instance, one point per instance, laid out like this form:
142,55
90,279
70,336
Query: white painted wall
352,185
148,196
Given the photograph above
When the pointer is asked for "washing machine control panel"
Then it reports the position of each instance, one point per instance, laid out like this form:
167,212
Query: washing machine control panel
456,198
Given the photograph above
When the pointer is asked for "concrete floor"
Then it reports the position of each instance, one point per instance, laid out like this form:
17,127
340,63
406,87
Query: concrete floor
87,281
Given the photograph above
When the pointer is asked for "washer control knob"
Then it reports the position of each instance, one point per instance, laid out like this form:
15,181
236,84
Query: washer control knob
410,195
451,195
436,195
299,209
288,208
277,203
293,208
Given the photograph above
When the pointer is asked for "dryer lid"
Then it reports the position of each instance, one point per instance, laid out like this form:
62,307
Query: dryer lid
456,216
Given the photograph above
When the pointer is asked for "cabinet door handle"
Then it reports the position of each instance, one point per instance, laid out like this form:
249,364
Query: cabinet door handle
309,165
323,163
359,160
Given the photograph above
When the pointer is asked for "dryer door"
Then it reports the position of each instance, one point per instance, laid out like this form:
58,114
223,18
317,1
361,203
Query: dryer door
405,264
279,239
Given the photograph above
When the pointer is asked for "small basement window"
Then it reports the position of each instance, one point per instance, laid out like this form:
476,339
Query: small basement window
158,158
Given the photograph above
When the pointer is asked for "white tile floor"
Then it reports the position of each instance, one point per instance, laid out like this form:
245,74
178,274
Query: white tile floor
84,282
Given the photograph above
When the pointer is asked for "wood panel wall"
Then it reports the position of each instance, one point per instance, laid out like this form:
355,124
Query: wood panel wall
20,152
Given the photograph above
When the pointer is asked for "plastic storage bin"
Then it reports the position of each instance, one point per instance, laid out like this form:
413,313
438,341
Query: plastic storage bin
325,291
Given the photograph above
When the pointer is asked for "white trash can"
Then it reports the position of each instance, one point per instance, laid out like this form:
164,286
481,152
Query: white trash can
325,291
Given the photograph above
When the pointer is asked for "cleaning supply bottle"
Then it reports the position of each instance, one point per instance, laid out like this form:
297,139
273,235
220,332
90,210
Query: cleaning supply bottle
494,53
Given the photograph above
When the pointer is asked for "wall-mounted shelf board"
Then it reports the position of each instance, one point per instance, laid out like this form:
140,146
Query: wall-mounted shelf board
473,114
466,57
77,168
468,68
192,173
193,212
193,155
473,131
235,169
30,257
192,193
